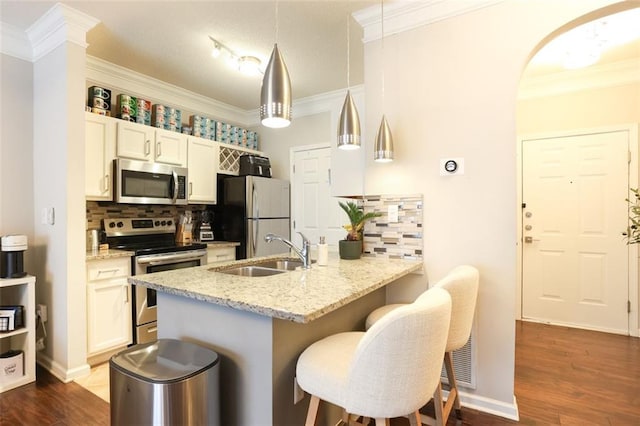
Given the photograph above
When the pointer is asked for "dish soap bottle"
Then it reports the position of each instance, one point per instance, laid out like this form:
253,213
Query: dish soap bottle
323,253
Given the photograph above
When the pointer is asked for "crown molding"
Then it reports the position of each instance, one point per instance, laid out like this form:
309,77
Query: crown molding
116,77
58,25
404,16
15,42
593,77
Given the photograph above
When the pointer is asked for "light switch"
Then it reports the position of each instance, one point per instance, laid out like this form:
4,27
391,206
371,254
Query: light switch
48,216
392,213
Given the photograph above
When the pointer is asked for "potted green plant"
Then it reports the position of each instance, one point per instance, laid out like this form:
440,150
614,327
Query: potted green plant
351,246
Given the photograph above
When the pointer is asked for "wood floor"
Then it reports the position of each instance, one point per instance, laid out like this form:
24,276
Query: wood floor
563,377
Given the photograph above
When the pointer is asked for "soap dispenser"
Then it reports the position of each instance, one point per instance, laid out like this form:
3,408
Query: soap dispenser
323,252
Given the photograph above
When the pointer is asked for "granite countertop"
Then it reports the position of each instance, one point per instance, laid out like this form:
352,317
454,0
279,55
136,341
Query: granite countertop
300,296
108,254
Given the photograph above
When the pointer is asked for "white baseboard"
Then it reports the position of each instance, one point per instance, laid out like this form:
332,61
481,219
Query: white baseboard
488,405
61,373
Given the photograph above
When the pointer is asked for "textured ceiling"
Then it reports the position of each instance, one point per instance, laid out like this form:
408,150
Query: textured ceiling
169,41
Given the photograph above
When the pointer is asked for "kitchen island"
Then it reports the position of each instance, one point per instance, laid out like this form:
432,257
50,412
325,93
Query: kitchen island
260,325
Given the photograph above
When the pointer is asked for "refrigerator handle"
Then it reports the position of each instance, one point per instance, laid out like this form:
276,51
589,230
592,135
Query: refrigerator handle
256,215
255,209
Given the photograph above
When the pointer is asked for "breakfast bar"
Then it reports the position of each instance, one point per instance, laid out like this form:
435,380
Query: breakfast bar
259,325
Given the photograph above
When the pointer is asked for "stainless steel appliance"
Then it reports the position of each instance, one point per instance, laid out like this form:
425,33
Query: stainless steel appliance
253,207
153,242
141,182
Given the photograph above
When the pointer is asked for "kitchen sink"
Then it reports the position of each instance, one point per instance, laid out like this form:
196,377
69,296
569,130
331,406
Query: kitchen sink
263,268
250,271
282,264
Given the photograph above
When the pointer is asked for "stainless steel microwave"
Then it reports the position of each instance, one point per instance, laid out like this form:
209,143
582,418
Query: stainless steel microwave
140,182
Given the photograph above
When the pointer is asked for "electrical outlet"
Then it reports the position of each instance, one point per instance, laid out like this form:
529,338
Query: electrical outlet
41,311
298,393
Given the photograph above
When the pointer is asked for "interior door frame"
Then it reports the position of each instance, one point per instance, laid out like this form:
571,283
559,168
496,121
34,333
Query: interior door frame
632,253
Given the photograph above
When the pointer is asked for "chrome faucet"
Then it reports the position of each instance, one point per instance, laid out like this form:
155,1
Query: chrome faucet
304,254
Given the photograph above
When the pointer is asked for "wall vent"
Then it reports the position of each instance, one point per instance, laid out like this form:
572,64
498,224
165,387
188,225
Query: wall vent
464,364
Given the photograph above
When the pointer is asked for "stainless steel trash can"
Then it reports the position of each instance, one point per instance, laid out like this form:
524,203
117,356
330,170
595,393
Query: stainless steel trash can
167,382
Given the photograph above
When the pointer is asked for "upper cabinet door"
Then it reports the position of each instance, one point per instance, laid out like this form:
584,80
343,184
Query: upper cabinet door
203,168
135,141
170,148
100,150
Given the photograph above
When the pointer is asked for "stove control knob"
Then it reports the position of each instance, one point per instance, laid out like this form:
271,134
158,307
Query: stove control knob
157,223
112,224
163,223
169,223
120,224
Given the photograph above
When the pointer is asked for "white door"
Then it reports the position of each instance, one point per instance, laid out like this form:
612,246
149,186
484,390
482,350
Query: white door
315,212
575,267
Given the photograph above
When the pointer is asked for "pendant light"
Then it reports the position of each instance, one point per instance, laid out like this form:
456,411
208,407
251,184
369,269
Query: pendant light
383,151
349,126
275,97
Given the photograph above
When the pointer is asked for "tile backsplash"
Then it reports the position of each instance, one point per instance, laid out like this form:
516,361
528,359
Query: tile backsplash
401,239
96,211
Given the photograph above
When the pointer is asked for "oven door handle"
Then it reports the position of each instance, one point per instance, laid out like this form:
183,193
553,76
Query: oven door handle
155,260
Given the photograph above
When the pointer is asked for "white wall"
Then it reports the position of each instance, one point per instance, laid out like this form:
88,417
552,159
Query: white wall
16,150
59,87
307,130
450,91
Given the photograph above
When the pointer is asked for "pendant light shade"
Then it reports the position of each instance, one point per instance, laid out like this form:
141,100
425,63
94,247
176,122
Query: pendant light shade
383,152
349,126
275,98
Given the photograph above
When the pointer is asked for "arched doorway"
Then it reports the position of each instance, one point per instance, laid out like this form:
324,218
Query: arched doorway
569,283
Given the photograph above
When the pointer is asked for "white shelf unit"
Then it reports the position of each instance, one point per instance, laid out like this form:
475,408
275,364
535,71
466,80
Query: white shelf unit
20,291
230,156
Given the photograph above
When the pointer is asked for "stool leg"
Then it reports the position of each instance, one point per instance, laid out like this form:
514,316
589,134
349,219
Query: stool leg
441,420
382,422
414,419
313,411
453,392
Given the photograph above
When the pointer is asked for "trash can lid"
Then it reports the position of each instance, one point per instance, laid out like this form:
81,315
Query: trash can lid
164,361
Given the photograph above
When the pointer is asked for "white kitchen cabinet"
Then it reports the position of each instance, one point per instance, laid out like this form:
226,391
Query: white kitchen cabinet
140,142
220,254
202,162
108,305
20,291
100,150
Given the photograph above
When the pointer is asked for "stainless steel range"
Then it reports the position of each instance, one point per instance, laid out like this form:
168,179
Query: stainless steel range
153,241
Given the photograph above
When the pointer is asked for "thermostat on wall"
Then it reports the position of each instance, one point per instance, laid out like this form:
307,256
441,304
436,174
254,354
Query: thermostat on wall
451,166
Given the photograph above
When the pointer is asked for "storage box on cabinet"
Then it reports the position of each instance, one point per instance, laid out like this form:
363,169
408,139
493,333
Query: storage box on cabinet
108,305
